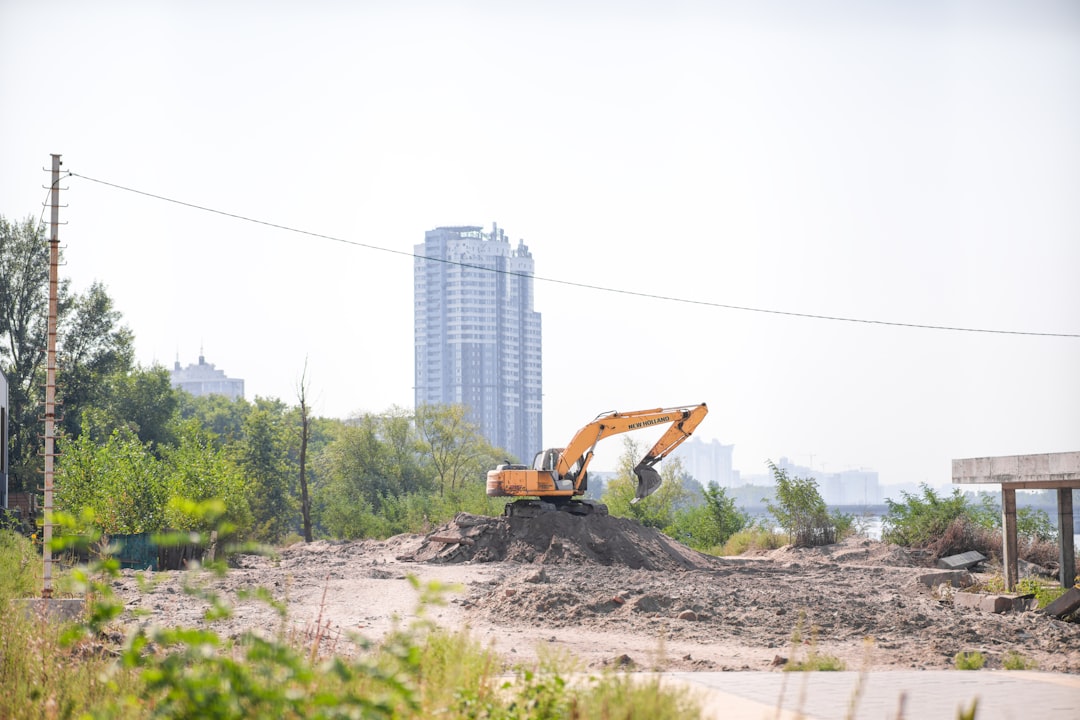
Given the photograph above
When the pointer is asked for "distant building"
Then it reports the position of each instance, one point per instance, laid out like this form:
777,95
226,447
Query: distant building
205,379
4,420
847,487
708,462
476,335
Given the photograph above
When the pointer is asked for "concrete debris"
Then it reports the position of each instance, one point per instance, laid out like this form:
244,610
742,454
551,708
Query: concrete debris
1064,605
963,561
995,603
953,578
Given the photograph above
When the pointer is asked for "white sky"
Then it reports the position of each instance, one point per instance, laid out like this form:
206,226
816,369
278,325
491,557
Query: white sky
904,161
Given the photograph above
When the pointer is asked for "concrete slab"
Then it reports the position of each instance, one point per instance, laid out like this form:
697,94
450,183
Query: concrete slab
955,578
961,561
61,609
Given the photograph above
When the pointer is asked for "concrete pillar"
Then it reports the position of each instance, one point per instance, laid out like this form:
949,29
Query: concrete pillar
1065,537
1008,537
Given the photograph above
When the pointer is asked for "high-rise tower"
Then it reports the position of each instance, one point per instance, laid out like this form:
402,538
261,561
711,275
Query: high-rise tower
477,336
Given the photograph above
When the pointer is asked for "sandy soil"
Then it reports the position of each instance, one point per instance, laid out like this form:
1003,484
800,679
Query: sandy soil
609,592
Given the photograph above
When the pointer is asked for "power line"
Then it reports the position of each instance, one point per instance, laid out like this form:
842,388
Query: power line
570,283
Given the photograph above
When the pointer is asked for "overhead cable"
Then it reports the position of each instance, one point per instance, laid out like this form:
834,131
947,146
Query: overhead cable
570,283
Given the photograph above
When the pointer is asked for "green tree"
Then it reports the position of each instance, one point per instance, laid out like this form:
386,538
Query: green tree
656,510
800,510
24,270
263,455
197,470
119,480
92,345
453,446
222,417
710,524
94,352
142,401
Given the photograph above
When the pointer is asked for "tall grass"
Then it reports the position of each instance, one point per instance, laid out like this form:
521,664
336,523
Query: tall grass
105,668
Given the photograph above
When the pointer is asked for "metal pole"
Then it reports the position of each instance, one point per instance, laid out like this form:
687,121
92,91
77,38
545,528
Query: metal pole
50,374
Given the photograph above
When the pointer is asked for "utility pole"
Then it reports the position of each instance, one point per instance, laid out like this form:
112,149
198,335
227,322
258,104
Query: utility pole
50,373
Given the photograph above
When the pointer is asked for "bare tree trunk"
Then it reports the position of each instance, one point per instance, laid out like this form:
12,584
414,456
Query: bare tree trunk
305,431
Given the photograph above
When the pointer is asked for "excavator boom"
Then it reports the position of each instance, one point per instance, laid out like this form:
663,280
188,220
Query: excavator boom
559,474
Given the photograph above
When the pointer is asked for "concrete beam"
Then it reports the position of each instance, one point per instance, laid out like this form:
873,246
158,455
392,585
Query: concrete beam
1060,469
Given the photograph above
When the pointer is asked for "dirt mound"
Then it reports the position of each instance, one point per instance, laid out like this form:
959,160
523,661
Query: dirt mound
849,551
556,538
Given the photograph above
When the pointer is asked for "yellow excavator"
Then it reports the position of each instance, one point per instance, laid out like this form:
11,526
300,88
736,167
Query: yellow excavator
559,475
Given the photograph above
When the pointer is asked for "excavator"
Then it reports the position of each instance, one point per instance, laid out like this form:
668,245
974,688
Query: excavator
559,475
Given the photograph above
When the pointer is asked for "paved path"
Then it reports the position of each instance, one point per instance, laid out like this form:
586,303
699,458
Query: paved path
911,695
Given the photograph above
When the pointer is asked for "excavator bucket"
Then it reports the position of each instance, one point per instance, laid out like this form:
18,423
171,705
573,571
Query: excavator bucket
648,481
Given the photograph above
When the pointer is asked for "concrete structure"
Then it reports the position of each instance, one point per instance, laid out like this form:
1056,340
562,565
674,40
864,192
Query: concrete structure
477,337
5,420
205,379
1049,471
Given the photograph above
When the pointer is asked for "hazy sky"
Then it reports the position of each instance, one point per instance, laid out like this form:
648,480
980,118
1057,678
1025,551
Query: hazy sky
911,162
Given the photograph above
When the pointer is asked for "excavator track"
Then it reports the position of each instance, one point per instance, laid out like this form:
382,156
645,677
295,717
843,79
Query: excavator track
535,508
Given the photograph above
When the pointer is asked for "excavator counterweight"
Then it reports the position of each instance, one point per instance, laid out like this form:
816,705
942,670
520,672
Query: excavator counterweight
558,475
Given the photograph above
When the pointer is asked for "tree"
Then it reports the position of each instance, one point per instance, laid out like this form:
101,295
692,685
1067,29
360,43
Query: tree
94,351
196,469
305,434
221,417
656,510
92,345
142,401
24,267
263,456
710,524
800,510
120,481
453,446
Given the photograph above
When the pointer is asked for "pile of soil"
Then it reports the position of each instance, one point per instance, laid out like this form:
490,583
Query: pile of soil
556,538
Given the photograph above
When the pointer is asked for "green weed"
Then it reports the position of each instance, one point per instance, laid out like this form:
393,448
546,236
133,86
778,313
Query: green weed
1013,660
973,660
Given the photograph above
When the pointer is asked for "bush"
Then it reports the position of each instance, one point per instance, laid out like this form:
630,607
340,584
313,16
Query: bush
756,537
1013,660
801,511
707,527
921,519
973,660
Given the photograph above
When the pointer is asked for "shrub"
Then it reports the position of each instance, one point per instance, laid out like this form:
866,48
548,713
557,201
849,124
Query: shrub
1044,594
973,660
756,537
1013,660
921,519
800,510
706,527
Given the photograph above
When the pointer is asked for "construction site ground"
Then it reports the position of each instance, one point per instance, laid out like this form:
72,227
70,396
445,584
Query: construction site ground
601,591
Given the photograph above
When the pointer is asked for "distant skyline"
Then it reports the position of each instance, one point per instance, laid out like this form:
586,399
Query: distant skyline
904,162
